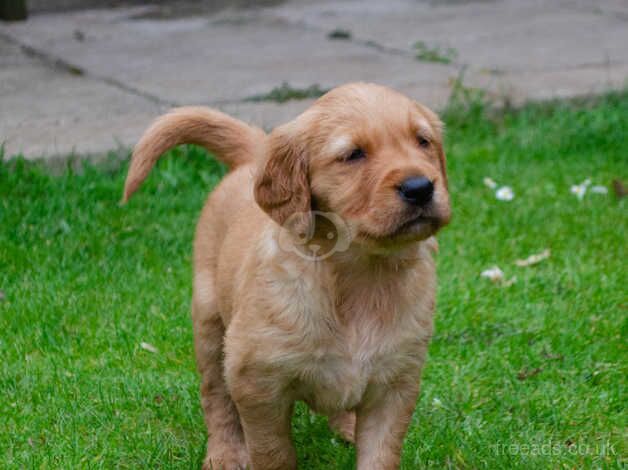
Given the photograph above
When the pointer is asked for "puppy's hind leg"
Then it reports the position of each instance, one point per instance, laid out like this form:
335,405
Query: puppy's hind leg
226,449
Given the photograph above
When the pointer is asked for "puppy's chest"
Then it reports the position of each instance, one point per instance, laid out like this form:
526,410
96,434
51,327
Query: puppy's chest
352,335
336,373
334,376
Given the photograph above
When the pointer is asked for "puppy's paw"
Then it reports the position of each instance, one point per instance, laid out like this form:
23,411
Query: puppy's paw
344,424
227,458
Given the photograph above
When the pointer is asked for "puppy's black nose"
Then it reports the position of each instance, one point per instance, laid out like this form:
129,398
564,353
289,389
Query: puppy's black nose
417,190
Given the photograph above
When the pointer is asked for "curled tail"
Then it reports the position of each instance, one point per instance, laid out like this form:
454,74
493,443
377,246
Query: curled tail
232,141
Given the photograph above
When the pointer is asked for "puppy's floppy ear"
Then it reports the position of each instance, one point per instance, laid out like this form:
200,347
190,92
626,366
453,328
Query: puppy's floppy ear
438,127
282,187
443,161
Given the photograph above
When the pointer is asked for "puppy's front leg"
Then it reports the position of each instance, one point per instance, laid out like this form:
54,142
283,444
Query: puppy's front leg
382,422
265,414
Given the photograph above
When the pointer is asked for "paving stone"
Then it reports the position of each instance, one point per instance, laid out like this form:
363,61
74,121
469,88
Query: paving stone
88,81
195,60
49,112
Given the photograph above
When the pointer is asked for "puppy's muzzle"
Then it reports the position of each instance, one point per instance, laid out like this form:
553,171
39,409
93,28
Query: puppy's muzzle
416,191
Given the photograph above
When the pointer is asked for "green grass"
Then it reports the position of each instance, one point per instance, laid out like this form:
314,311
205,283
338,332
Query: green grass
437,54
286,92
339,33
540,363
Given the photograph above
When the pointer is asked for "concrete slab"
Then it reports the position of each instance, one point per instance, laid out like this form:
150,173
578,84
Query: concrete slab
60,114
49,112
89,81
489,36
519,87
196,60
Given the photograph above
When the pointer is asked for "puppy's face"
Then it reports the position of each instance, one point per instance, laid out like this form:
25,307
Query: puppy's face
369,155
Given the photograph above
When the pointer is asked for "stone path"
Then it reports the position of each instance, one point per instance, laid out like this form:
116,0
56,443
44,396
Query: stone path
90,81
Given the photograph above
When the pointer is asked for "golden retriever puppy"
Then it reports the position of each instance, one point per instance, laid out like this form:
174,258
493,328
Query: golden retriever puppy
313,271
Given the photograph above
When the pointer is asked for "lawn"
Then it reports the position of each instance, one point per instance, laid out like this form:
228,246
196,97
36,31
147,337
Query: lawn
527,375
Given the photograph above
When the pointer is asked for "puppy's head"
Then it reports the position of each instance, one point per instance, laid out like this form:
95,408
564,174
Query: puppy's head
366,153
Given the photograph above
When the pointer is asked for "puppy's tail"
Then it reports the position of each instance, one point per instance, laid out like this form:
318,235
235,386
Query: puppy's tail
232,141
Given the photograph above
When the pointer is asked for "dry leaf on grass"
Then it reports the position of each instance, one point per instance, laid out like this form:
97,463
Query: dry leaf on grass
496,276
149,347
619,188
553,357
493,274
489,182
533,259
509,282
526,373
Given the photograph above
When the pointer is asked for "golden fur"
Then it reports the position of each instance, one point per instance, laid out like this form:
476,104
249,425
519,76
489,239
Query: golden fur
346,332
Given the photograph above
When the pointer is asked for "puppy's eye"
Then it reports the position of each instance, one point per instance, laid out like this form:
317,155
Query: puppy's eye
423,142
357,154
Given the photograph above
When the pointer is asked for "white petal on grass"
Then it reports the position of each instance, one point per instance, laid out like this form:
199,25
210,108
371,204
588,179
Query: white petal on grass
505,193
149,347
489,182
599,189
534,259
494,274
579,190
436,403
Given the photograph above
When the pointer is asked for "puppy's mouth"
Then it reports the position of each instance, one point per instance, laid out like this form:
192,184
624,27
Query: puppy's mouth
415,221
414,229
